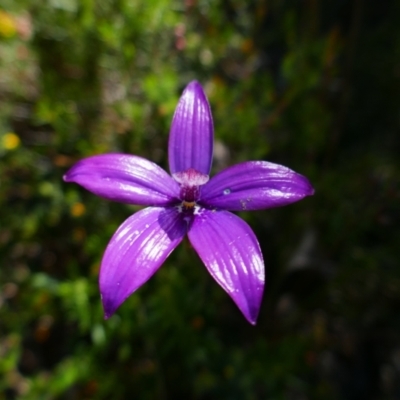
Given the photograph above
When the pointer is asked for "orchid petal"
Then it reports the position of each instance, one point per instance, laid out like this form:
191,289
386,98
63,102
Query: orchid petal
124,178
192,133
231,253
136,251
255,185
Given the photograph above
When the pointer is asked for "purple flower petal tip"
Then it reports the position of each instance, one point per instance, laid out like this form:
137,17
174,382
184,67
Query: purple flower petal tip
108,309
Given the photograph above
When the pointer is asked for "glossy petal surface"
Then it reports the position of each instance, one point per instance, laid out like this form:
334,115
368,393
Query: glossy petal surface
192,134
230,251
124,178
255,185
136,251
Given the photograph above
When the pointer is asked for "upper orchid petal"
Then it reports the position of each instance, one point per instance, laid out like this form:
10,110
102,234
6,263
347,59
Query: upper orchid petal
230,251
136,251
192,133
255,185
124,178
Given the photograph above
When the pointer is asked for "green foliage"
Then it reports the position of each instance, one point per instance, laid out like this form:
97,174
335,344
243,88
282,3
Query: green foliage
311,85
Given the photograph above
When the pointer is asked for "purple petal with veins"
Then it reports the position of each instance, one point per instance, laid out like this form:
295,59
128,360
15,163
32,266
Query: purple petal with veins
192,134
254,185
136,251
231,253
125,178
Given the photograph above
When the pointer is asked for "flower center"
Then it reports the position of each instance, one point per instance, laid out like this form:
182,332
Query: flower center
190,182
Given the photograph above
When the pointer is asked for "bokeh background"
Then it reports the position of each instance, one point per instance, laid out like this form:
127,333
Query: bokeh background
314,85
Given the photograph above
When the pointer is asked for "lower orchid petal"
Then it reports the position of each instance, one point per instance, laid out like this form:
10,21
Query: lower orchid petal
232,255
124,178
136,251
255,185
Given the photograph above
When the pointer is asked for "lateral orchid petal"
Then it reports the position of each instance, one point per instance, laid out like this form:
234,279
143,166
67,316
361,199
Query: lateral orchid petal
136,251
231,253
255,185
192,133
125,178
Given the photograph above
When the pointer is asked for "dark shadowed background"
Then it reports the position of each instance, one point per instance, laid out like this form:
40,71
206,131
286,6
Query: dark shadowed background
314,85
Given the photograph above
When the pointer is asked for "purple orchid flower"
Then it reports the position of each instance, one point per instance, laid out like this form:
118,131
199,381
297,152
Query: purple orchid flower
188,202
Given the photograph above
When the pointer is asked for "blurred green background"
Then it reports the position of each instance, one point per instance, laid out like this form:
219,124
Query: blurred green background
311,84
